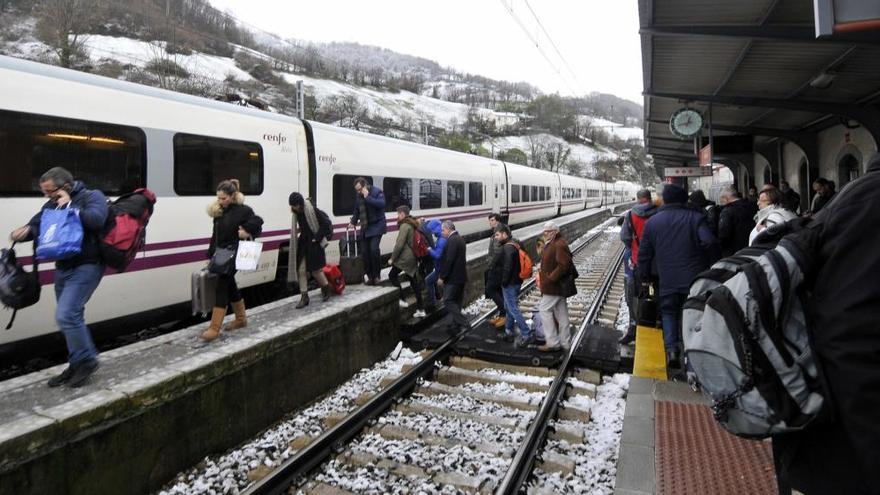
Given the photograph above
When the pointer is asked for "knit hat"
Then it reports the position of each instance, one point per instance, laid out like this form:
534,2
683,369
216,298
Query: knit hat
296,199
674,194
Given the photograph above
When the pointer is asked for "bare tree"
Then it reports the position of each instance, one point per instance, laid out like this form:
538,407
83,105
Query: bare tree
62,24
537,148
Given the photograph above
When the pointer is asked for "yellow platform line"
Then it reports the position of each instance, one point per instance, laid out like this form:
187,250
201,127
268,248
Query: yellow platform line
650,358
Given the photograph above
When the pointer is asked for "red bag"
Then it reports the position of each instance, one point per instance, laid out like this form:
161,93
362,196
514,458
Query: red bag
420,244
334,276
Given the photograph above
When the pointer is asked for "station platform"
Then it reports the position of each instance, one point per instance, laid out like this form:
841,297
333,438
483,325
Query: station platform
159,406
671,445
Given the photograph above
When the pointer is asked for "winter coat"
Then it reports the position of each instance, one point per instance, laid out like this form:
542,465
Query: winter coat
228,220
791,200
680,241
767,217
93,211
311,244
843,456
374,207
555,265
436,252
508,263
453,265
819,201
634,225
493,276
402,254
735,225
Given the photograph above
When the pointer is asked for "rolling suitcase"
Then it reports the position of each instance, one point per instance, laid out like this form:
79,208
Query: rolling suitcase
351,264
204,288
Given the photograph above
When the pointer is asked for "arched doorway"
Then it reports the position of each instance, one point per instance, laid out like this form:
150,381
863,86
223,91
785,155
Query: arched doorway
768,174
847,170
806,176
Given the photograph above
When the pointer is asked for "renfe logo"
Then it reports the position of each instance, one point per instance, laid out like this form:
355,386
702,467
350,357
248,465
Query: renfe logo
278,139
327,158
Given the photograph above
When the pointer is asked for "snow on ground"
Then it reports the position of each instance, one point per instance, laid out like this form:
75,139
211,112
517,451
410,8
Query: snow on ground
596,459
580,152
228,473
618,129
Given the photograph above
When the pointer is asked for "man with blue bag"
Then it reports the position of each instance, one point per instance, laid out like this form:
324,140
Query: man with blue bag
67,230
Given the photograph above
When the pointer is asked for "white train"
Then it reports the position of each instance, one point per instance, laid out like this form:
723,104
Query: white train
115,136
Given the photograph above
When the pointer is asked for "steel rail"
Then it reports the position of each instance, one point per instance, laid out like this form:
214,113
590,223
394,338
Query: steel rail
523,462
333,440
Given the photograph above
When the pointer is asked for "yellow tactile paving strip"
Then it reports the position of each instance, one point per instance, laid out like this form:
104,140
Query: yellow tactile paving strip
650,359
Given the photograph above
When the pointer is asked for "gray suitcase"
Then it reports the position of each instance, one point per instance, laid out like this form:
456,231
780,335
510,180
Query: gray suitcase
350,262
204,291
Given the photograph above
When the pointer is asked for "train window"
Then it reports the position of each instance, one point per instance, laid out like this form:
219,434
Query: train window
547,193
475,193
430,194
542,194
344,195
496,191
398,192
534,193
454,193
514,194
526,197
108,157
201,162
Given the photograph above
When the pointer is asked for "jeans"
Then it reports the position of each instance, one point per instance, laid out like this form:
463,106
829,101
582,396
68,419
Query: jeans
431,284
631,294
453,298
414,281
670,311
514,315
73,288
372,256
554,320
493,291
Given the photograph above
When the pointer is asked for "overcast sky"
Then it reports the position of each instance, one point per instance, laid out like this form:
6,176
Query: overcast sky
598,38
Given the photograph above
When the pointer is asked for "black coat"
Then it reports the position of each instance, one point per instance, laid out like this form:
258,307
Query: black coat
454,262
508,264
226,227
309,243
736,223
844,456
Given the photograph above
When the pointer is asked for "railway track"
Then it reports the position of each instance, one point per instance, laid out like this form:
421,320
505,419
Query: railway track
452,424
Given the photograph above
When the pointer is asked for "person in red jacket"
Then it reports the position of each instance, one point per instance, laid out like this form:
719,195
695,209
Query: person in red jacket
631,234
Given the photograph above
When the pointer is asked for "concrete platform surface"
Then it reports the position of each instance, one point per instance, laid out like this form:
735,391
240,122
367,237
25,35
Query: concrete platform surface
128,430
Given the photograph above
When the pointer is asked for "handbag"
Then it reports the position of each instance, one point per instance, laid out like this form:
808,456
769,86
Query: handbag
61,234
223,261
248,255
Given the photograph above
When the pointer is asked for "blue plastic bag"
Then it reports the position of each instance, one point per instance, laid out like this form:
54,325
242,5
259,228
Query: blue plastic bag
61,234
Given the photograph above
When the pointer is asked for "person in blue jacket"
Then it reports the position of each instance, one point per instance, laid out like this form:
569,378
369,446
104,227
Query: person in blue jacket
436,254
369,213
678,238
77,277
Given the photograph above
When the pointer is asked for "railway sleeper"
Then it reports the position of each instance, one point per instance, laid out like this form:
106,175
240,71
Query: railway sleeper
434,388
469,363
458,376
325,489
397,432
416,407
457,480
552,462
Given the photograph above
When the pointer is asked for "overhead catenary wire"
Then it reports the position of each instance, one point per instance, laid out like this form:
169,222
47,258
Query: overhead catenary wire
519,22
556,48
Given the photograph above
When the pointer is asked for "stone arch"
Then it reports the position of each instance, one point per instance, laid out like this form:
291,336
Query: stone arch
849,165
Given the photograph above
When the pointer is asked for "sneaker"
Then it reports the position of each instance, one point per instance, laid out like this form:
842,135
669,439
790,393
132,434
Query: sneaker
523,343
403,305
420,313
508,337
57,381
82,373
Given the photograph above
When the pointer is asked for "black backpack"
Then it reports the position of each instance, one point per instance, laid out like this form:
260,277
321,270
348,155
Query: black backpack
124,232
18,288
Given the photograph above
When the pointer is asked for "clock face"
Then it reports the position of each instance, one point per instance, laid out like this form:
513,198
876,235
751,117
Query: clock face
686,123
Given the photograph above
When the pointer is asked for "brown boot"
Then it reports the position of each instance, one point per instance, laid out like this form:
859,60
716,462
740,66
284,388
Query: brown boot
303,300
240,320
213,330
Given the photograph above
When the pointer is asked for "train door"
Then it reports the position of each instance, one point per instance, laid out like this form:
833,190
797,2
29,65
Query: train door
499,186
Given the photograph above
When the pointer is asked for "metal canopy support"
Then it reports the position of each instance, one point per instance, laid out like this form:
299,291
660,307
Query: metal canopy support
758,131
795,32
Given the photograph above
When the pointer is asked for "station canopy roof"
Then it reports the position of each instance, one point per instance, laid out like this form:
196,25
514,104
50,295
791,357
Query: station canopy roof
760,65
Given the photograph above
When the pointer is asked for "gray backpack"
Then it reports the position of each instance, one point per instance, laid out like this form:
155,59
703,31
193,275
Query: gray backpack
747,340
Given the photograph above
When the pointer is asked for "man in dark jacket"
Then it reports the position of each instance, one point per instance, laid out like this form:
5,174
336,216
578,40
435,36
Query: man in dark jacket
631,234
791,200
843,455
508,265
492,277
736,222
77,277
453,276
678,238
369,212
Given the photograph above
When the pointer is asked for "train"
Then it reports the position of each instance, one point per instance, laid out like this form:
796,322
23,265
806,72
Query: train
116,136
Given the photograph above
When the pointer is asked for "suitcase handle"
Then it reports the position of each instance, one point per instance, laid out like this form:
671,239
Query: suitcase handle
348,242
